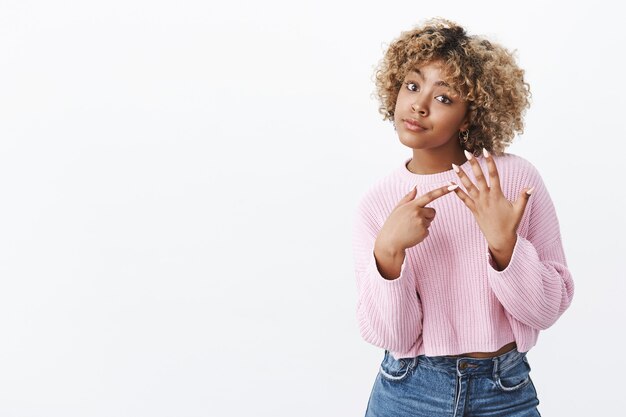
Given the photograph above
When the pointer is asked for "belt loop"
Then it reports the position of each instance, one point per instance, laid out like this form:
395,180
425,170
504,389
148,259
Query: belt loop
496,367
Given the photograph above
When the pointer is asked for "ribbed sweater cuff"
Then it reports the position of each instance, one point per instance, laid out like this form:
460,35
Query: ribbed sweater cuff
391,313
380,280
524,254
520,286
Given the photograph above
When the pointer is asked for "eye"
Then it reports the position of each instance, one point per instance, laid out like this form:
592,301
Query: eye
409,84
444,99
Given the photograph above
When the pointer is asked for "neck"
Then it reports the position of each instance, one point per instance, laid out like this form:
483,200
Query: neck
426,162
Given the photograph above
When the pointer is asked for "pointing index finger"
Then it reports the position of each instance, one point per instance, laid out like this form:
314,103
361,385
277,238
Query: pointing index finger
434,194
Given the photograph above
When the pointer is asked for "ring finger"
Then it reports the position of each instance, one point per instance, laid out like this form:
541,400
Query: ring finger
469,186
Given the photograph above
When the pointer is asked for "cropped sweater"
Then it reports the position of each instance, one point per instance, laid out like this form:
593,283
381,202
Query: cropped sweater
449,298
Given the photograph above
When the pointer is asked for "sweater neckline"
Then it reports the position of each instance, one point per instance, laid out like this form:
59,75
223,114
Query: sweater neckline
438,177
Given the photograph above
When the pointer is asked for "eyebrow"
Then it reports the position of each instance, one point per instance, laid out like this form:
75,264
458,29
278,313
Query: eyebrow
438,83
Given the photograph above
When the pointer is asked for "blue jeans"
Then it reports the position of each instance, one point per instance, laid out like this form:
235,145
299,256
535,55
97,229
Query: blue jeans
434,386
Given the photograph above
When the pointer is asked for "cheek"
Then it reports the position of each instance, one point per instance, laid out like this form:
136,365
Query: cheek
397,108
403,103
399,100
452,118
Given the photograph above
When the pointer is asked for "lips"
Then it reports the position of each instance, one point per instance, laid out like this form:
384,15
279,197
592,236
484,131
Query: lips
413,125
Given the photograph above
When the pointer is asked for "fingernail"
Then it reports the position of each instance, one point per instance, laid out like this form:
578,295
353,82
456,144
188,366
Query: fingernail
468,155
485,153
456,168
453,187
529,192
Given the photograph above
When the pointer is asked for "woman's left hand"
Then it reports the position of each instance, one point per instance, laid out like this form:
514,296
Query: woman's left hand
496,216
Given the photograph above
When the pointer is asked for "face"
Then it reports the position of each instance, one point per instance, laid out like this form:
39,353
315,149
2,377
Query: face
428,114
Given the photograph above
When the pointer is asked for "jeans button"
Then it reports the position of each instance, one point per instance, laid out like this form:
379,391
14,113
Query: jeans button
462,365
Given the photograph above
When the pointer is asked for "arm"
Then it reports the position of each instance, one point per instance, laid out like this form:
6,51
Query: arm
388,310
536,286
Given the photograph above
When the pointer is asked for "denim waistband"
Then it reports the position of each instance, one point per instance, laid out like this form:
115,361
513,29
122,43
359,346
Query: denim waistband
473,366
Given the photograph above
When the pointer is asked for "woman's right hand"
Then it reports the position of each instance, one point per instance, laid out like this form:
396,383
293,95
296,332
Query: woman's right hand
408,223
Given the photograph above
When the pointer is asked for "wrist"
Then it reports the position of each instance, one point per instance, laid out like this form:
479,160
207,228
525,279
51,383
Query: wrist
387,248
504,246
501,255
389,260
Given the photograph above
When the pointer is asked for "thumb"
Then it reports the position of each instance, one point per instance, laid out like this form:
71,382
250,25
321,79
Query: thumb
408,197
522,201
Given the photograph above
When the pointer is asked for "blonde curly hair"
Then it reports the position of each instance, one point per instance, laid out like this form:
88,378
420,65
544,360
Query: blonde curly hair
483,73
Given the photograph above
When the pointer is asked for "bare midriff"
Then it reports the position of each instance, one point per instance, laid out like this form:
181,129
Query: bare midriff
503,349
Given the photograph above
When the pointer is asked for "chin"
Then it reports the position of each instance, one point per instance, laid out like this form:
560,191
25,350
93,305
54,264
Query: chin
419,142
414,143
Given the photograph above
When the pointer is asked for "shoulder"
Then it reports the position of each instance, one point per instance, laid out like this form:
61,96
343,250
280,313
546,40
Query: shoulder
379,189
381,196
514,162
516,168
517,173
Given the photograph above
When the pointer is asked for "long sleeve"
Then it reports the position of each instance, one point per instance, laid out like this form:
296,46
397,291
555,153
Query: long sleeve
536,287
389,312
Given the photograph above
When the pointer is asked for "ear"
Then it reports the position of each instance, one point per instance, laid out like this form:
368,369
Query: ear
465,123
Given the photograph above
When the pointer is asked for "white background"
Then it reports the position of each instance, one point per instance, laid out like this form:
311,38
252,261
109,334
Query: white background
177,187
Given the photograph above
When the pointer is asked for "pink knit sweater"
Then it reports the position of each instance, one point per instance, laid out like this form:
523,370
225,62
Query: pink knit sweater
449,299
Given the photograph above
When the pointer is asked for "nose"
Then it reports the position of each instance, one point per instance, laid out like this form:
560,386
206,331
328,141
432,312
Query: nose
419,106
